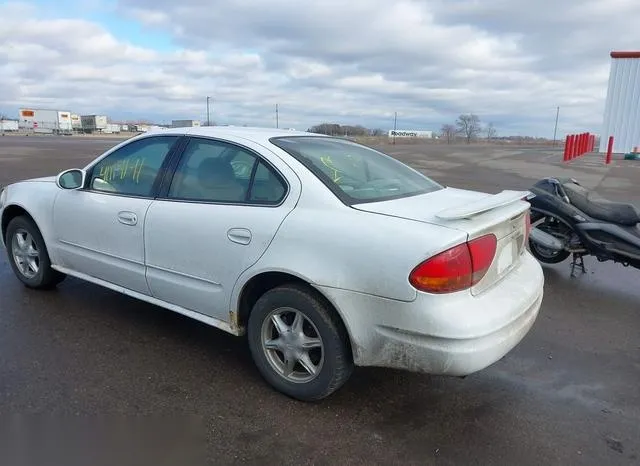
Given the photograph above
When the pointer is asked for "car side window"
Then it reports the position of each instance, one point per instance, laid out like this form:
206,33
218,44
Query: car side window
133,168
215,171
267,186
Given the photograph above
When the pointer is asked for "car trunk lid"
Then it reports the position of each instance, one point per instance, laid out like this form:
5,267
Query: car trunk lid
476,214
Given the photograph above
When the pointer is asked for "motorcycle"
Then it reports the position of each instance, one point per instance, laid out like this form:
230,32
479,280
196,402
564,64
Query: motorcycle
568,219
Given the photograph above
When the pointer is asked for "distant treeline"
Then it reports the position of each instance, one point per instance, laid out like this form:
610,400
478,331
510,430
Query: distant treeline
334,129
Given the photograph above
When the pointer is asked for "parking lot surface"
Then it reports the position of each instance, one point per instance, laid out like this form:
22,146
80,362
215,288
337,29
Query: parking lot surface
568,394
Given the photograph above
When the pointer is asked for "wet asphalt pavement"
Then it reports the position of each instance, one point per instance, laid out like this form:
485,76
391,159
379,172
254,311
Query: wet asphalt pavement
568,394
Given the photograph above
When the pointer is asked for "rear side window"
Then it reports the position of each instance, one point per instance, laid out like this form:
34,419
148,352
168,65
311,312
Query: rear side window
216,171
356,173
266,186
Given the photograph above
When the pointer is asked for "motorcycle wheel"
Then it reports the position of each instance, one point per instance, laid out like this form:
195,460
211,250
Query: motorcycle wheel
545,255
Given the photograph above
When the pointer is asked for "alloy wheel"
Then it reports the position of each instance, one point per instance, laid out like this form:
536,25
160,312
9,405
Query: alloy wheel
25,253
293,345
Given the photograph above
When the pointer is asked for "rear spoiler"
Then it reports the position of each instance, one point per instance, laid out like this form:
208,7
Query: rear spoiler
492,201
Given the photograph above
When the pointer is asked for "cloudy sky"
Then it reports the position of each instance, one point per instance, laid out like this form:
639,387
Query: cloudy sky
512,62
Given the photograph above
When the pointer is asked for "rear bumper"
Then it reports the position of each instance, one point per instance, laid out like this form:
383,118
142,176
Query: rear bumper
448,356
457,334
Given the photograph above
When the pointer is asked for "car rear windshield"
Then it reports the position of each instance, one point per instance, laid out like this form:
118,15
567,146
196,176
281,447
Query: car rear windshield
356,173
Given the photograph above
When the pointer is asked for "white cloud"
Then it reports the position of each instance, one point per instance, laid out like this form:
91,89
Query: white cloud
510,61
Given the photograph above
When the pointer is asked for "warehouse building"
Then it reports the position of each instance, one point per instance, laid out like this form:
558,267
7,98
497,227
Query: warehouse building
76,122
41,120
622,106
93,123
185,124
8,125
112,128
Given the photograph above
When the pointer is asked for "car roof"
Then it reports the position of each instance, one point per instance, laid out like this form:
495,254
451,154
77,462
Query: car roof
255,134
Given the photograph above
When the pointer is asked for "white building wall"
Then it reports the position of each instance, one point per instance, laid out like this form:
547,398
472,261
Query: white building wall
185,123
111,128
622,106
45,120
64,122
76,123
9,125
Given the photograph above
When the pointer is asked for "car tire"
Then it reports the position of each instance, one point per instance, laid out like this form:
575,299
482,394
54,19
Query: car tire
317,340
40,276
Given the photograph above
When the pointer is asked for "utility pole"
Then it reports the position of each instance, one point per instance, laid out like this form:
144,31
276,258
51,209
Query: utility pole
208,120
395,124
277,121
555,130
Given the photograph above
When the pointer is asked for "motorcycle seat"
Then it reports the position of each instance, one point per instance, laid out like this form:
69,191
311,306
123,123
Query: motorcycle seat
598,207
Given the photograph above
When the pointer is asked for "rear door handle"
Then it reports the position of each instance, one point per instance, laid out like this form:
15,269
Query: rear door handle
127,218
239,235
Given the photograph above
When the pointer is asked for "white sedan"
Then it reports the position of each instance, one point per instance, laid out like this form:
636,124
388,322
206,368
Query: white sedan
327,254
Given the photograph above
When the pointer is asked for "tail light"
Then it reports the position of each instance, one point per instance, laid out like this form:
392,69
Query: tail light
455,269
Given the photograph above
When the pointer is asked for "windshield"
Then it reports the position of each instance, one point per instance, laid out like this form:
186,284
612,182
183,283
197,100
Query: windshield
356,173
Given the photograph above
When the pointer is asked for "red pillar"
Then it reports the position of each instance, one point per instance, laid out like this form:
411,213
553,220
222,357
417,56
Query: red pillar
609,150
565,155
587,136
571,142
580,144
589,142
579,148
574,151
584,144
579,151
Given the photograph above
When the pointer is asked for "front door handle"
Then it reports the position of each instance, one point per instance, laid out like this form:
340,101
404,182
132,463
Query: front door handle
239,235
127,218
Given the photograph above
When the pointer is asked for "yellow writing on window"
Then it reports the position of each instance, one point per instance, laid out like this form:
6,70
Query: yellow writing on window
329,164
122,170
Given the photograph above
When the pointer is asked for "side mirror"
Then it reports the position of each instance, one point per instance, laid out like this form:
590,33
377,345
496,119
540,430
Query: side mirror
71,179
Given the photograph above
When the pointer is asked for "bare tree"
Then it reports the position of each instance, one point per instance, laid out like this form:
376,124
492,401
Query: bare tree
329,129
334,129
469,126
491,131
449,132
